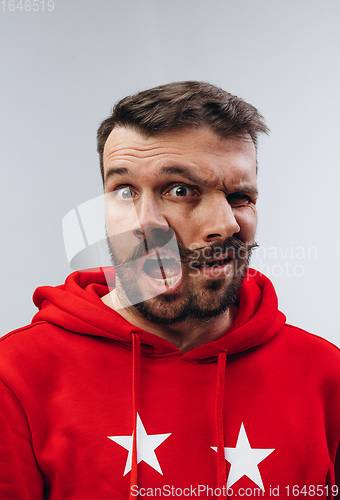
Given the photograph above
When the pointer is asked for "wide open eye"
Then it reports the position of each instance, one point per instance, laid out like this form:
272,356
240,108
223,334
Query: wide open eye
182,190
124,193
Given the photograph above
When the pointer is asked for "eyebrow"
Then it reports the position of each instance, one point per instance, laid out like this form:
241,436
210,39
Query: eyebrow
172,169
115,171
246,189
185,172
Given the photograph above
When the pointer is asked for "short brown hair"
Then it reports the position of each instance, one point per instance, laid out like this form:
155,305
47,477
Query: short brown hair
180,105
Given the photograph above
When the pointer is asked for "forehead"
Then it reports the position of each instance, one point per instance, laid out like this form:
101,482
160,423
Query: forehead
197,149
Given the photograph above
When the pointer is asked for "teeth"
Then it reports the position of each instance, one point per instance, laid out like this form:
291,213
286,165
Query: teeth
162,256
168,281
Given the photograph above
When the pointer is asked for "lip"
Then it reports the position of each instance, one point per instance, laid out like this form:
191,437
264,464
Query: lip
226,255
217,271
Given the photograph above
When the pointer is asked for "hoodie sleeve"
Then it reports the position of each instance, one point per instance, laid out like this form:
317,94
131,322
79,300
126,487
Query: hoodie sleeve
20,478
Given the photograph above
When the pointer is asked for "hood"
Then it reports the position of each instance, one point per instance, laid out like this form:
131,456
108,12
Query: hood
76,306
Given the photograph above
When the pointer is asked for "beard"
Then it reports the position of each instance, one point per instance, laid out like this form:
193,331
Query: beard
195,306
193,302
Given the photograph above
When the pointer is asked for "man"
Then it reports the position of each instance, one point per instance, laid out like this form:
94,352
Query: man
174,375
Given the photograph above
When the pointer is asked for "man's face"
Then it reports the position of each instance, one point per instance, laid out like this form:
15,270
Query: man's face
187,183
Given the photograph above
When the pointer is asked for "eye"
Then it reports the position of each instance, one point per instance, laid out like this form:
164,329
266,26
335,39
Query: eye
124,193
238,199
182,190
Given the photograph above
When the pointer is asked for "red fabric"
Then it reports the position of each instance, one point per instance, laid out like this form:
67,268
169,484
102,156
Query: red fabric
221,467
135,391
74,392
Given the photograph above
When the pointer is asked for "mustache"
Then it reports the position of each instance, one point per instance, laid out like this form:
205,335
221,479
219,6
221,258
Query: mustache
230,247
173,244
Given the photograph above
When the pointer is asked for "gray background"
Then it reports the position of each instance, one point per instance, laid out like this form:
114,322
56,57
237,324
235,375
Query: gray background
61,72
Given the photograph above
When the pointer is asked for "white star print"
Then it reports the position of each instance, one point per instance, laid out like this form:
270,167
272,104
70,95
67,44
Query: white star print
146,445
244,460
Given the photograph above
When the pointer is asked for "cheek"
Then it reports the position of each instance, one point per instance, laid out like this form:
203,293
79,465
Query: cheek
186,227
120,233
121,221
248,224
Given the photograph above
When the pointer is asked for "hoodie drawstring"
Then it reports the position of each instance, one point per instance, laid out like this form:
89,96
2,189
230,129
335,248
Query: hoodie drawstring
136,354
221,463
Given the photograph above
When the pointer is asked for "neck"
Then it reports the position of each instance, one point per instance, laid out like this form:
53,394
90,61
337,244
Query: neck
185,335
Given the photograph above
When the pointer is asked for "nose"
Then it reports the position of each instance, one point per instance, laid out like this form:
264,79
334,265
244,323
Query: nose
150,219
219,220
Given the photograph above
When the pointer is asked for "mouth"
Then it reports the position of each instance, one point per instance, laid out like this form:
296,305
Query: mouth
214,268
161,270
216,262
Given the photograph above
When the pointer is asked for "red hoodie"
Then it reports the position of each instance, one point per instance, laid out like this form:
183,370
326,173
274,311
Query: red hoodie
93,408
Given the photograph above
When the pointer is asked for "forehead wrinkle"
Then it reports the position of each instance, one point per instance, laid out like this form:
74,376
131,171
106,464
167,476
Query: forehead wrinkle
180,158
138,150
